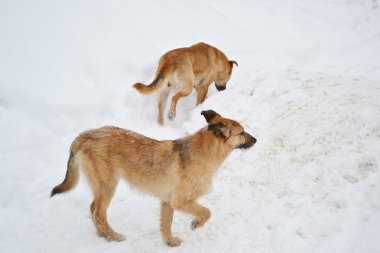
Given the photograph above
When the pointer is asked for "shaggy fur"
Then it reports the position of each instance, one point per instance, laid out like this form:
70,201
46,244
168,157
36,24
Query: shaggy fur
177,172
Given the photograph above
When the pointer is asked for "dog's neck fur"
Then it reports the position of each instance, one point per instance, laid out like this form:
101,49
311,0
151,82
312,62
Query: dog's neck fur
215,150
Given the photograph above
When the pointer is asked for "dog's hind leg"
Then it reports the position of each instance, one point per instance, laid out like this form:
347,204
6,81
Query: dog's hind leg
99,212
161,99
166,224
185,83
176,97
103,185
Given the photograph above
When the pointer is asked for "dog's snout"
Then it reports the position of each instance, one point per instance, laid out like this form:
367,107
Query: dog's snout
249,141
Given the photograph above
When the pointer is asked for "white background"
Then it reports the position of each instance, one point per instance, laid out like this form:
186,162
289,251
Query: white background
307,87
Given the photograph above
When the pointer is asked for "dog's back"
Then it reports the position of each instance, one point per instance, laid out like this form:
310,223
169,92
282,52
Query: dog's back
108,153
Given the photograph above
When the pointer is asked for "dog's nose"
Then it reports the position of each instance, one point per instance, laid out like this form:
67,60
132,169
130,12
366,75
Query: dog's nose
250,142
220,87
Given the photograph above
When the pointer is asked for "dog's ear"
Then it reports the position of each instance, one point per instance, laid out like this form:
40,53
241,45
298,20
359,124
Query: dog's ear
209,115
232,63
220,129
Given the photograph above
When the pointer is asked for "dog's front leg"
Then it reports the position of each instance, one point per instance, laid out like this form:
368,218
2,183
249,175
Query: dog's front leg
201,213
202,94
166,225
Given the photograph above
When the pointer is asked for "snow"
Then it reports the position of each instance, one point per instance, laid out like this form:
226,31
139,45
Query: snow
307,87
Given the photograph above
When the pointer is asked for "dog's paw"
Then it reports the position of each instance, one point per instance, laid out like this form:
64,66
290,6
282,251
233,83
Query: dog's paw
115,237
120,238
160,121
195,224
171,115
173,241
199,222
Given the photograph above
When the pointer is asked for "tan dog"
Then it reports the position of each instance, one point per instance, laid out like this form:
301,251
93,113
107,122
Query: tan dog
197,66
177,172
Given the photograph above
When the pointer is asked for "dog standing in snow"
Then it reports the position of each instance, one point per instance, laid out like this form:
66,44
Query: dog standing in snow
178,172
197,66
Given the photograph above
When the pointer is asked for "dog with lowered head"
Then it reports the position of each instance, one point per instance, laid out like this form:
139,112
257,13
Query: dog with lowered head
177,172
182,69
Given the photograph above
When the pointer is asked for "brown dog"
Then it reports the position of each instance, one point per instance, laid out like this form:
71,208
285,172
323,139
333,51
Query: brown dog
197,66
177,172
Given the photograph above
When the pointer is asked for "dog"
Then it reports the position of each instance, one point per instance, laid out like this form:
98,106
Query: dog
197,66
177,172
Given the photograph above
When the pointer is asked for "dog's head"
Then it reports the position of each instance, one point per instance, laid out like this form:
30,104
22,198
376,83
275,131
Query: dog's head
231,131
224,75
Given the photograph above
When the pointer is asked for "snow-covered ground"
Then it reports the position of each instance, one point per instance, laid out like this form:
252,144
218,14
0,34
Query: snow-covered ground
307,87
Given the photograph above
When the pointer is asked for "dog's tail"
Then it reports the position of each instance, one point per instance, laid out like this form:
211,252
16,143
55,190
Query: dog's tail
71,179
161,81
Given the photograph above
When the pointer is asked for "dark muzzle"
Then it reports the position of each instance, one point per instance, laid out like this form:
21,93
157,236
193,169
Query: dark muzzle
220,87
249,141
